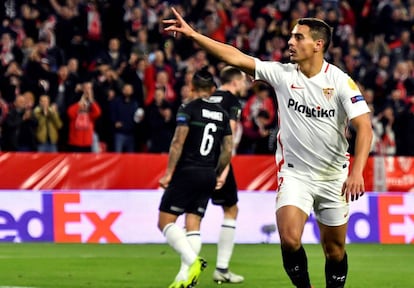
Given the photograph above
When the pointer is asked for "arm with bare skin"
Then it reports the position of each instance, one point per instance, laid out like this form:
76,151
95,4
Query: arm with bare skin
174,155
354,186
224,159
221,51
222,177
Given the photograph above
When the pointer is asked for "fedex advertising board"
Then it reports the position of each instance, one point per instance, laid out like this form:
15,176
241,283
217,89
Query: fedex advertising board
130,216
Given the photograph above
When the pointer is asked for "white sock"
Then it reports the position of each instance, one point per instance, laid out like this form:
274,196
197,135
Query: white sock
194,238
177,239
226,243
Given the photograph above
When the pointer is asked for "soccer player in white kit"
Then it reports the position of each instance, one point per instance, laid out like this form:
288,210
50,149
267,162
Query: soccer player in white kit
315,102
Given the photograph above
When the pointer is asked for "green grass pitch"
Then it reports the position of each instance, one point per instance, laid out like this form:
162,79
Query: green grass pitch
155,265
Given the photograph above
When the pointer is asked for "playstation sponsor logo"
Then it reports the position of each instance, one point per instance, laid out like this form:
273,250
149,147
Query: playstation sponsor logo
317,112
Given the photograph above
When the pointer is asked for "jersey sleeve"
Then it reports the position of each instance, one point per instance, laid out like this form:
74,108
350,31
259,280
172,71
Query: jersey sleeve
352,100
269,71
227,127
183,115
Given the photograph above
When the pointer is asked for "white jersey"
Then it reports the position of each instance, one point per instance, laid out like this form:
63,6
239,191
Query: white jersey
313,117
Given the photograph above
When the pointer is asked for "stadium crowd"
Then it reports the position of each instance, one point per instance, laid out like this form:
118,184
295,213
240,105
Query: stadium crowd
102,75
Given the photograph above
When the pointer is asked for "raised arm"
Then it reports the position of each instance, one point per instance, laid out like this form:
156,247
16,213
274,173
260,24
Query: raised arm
221,51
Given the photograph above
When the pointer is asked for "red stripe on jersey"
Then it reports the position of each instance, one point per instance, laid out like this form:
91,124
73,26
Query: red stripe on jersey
326,69
282,161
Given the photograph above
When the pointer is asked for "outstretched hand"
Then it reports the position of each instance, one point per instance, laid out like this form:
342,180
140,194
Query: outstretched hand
178,24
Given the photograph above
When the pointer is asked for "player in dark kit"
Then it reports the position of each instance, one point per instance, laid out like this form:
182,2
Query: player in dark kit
233,85
199,152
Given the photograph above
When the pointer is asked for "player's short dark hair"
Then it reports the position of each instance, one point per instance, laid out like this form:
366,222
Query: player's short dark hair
229,73
203,79
319,30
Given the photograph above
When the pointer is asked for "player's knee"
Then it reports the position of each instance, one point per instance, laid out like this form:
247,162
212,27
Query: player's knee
334,252
231,212
290,242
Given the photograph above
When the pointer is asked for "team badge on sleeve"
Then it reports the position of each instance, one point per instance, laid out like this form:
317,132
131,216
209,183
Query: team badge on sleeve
357,98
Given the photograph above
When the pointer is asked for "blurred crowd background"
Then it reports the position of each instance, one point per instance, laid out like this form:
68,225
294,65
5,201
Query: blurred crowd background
102,75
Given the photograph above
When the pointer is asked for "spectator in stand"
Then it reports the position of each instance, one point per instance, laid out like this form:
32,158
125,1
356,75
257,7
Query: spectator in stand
406,142
388,145
38,70
240,37
199,60
133,74
185,94
65,90
20,126
254,127
162,82
127,8
257,35
141,46
262,135
107,84
402,79
125,113
382,65
47,34
27,50
114,56
157,63
30,16
82,116
171,55
91,27
66,23
4,110
79,49
73,69
133,26
9,51
160,123
216,21
402,48
12,82
383,143
65,96
49,124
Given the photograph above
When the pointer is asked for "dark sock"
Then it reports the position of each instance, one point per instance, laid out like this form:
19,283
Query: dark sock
296,266
223,270
335,272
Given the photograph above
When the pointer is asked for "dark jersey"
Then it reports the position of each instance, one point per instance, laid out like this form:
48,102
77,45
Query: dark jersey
228,102
208,123
227,195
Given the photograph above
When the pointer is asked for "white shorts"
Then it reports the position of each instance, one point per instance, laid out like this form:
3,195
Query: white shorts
324,197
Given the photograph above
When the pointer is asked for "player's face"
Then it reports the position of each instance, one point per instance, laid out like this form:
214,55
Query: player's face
301,45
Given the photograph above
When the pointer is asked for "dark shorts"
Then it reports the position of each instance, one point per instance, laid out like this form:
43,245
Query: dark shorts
189,191
227,195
